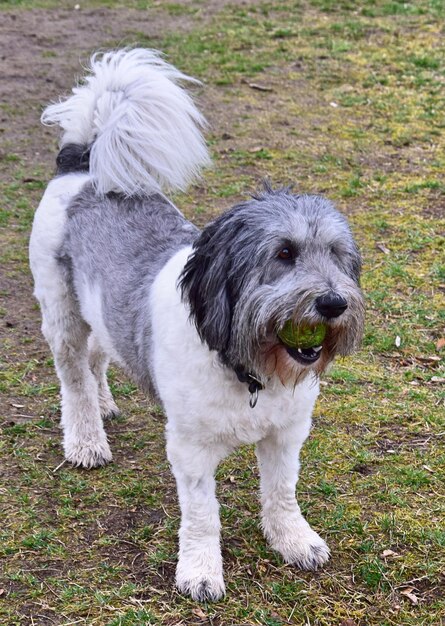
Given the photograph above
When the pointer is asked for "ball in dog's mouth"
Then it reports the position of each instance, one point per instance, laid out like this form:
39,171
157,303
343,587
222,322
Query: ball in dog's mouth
303,342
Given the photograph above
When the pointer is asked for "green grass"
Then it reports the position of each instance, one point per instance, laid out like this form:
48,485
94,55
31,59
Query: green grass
353,110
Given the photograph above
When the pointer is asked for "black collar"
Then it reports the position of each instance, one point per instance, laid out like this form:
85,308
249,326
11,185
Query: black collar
252,380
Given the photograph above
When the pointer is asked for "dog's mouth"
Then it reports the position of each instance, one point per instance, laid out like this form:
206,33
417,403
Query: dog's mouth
305,356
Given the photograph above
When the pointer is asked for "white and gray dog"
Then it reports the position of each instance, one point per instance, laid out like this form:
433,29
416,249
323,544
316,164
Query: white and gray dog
192,315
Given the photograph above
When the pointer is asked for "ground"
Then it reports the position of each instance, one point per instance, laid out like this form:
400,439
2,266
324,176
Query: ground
333,96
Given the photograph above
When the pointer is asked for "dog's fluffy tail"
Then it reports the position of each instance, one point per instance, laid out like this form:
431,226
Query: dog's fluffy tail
141,127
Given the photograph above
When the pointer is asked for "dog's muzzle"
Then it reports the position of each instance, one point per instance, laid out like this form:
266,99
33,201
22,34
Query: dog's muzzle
330,306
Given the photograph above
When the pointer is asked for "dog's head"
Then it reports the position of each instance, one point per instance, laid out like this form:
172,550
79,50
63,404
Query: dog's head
277,257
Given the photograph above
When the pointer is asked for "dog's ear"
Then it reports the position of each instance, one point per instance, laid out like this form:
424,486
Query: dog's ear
207,284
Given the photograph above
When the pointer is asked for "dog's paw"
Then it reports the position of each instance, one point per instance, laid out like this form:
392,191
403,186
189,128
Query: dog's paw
108,408
303,548
88,455
202,588
294,539
110,414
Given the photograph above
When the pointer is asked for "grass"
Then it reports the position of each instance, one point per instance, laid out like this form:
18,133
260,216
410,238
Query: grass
353,110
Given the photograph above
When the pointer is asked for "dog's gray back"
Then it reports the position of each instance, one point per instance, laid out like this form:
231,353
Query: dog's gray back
117,245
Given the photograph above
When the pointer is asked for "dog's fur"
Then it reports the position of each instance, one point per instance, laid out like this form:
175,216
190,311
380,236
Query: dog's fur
193,316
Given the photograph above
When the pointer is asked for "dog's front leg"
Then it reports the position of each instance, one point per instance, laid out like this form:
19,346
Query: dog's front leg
199,572
284,526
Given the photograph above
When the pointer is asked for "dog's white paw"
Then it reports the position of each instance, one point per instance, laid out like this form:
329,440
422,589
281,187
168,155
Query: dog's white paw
304,548
88,454
199,573
108,408
202,588
294,539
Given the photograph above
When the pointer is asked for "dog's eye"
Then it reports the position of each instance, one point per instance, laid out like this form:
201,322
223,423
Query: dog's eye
285,254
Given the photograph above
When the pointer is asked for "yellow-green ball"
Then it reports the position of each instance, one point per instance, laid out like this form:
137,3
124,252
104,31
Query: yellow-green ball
302,336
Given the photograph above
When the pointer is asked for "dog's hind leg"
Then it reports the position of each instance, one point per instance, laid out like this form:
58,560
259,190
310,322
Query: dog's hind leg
99,362
283,524
84,439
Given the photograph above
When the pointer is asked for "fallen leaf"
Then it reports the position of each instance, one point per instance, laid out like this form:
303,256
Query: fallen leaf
17,406
383,248
428,469
408,593
387,553
440,343
199,613
437,379
398,341
259,87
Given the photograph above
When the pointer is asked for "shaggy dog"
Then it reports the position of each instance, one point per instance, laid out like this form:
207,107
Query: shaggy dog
193,316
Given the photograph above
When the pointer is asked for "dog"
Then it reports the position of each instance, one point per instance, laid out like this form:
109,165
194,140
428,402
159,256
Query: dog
193,316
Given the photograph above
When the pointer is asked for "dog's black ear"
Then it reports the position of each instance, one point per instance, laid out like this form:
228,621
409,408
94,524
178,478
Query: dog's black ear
208,283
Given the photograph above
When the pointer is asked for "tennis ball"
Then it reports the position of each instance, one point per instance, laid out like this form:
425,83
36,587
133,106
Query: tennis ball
301,335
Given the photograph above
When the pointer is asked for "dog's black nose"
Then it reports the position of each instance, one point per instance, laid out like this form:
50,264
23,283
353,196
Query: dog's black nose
331,305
